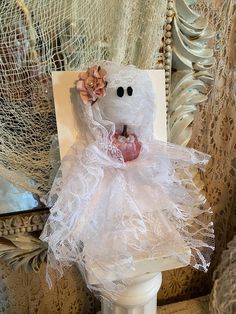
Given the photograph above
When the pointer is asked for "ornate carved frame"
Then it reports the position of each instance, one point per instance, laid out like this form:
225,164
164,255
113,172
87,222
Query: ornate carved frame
187,60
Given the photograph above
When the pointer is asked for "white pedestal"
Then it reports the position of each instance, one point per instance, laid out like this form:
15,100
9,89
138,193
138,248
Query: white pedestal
138,298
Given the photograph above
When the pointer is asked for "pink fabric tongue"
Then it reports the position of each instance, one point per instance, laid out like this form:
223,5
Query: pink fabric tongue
129,146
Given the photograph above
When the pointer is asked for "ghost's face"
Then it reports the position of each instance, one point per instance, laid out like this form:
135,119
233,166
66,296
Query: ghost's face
129,96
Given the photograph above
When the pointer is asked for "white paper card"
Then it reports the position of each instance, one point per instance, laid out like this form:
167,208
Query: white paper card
64,81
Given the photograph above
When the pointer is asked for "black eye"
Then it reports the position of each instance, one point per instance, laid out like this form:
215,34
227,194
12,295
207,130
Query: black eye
129,91
120,91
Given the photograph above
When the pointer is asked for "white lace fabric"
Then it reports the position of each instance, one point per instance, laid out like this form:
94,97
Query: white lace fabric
107,214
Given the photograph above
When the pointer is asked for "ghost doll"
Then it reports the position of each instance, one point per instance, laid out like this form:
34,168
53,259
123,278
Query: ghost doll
121,196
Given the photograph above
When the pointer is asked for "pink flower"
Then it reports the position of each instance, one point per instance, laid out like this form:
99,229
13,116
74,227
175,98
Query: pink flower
91,84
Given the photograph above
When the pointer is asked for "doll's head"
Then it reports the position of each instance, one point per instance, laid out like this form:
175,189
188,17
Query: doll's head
122,94
129,98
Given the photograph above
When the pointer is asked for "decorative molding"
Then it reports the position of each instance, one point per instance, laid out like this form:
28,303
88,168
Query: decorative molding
192,60
22,223
168,47
23,250
19,243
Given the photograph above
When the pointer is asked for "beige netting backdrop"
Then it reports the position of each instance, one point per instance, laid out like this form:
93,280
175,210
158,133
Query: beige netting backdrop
38,36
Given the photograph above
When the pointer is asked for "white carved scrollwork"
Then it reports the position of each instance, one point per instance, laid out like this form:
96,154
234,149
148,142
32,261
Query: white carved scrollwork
23,250
192,59
19,245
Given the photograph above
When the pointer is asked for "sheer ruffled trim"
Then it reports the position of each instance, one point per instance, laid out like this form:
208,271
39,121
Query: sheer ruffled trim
109,214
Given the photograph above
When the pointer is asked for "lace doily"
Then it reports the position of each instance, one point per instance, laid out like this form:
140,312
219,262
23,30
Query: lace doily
22,293
223,295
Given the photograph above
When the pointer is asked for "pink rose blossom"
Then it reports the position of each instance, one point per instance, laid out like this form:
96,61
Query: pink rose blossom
91,84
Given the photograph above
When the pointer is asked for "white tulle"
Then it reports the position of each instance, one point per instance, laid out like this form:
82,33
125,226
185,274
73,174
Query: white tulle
106,213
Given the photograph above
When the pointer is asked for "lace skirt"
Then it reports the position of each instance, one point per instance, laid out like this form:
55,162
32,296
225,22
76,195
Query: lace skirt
107,214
